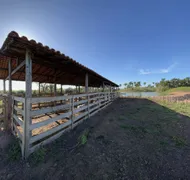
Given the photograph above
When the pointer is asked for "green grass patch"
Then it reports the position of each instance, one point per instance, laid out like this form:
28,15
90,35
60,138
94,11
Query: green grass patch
179,141
84,137
164,143
38,156
176,107
121,117
139,129
14,152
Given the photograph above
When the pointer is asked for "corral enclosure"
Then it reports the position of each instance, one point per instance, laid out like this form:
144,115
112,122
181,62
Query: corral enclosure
39,120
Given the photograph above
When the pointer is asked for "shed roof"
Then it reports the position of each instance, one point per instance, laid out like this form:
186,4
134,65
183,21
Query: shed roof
49,65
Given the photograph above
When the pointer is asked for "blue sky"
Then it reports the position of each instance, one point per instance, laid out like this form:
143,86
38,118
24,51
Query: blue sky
123,40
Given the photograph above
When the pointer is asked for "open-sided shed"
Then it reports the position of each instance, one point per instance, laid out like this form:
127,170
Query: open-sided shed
37,121
48,65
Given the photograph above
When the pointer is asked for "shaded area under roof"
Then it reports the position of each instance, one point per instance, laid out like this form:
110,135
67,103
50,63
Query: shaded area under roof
49,66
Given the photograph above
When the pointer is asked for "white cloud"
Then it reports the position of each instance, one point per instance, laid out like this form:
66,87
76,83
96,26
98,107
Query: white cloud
158,71
143,71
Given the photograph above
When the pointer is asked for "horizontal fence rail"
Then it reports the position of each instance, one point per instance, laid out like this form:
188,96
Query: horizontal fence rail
38,121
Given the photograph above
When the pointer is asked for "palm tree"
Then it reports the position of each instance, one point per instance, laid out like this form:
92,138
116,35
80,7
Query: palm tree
144,83
125,84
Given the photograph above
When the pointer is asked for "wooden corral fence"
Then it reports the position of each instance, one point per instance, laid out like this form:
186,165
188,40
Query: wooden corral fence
4,110
38,121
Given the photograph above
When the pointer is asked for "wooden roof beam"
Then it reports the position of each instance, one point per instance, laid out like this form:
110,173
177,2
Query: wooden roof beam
16,69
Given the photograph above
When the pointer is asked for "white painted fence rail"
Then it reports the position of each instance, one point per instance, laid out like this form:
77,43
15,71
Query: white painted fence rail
38,121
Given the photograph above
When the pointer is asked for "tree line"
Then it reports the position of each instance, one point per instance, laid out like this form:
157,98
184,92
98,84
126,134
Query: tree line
162,85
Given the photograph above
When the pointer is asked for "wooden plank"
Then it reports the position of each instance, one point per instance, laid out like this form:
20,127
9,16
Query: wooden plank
18,110
79,122
72,112
18,132
49,99
105,106
80,95
20,122
94,99
50,120
27,105
80,116
93,94
88,107
92,104
94,108
19,99
49,132
49,140
80,102
94,112
104,103
16,69
80,109
49,109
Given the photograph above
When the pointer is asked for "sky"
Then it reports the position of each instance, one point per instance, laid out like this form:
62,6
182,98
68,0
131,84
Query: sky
123,40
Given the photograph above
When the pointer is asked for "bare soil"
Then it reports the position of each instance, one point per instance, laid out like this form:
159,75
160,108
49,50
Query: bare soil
179,93
130,139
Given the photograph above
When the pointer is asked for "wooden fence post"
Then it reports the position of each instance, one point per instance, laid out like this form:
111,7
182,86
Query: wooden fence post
72,111
88,106
5,112
99,100
27,108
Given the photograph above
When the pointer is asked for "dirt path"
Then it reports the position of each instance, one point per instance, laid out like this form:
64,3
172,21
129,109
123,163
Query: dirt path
179,93
131,139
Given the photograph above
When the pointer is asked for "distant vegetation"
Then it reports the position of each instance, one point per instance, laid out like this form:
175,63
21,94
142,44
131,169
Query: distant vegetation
47,89
162,86
138,87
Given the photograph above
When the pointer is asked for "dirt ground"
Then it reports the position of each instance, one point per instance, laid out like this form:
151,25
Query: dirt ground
130,139
179,93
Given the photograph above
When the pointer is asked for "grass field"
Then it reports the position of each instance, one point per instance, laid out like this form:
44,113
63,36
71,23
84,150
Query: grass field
179,107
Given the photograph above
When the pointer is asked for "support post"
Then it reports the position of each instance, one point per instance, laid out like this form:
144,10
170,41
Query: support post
86,83
55,89
27,110
4,86
103,87
72,111
86,91
55,93
61,90
10,81
39,95
9,123
79,89
39,89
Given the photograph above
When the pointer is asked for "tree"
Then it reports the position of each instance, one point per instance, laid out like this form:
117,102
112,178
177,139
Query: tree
144,83
125,84
130,84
